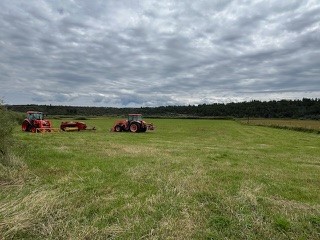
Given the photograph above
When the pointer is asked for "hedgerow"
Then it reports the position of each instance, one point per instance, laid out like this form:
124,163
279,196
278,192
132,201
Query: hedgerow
6,136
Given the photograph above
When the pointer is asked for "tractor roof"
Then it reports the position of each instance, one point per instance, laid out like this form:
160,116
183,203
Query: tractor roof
30,112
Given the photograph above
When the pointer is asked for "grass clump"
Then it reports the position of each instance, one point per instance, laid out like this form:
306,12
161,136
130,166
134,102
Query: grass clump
281,223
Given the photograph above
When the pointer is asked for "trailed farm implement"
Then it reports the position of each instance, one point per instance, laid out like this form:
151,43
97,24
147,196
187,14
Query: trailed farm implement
134,123
75,126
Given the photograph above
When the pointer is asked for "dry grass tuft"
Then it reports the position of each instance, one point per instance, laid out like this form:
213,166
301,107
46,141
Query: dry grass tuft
46,213
249,192
24,212
14,172
293,206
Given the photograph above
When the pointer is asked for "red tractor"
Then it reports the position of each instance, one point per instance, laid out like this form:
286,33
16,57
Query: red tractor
134,123
35,123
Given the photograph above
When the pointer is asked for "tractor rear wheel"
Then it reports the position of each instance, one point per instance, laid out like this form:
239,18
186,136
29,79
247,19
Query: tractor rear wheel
134,127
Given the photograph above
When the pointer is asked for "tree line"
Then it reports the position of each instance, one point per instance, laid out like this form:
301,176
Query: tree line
303,108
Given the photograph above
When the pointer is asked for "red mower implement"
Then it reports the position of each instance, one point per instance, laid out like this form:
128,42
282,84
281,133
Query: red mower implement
74,126
134,124
35,123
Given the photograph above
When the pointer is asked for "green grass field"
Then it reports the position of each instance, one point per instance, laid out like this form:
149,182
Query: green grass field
294,124
189,179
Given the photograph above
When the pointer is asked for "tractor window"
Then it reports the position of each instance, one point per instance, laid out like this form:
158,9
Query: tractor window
35,116
134,117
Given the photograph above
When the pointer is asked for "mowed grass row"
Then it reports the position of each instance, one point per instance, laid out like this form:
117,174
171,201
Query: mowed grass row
295,124
189,179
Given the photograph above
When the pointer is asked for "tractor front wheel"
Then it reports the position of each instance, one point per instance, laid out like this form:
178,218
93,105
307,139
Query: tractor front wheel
134,127
117,128
25,126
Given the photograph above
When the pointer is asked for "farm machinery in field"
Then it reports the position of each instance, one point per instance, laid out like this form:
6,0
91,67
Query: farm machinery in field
34,122
134,123
75,126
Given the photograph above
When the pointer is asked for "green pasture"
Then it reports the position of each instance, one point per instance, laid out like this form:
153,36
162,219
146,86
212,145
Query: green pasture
188,179
293,124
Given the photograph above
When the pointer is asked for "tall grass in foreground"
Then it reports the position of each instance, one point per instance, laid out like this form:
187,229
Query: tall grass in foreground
11,168
190,179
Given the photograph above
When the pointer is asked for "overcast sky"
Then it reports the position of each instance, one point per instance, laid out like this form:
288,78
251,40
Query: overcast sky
155,53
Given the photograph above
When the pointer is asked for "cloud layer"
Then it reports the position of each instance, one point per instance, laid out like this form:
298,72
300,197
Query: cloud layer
151,53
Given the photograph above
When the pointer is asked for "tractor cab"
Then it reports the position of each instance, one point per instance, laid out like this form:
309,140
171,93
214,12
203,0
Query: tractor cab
134,117
34,115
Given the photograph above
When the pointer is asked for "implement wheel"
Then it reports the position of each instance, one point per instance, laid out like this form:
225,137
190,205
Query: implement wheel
134,127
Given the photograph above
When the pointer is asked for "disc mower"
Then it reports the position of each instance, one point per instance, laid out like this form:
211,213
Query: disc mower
75,126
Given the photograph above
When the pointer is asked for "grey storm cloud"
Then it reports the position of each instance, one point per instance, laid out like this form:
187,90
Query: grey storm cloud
152,53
